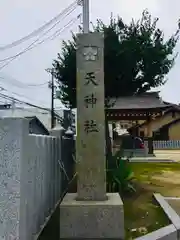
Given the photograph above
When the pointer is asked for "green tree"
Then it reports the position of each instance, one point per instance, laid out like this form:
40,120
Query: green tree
136,58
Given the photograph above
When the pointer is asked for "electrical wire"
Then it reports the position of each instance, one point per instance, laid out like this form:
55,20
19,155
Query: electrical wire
8,58
31,45
20,95
39,30
29,104
58,32
31,111
3,102
22,102
37,85
13,82
21,84
52,37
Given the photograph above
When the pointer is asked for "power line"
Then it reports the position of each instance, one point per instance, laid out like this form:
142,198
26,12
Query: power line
28,110
31,45
29,104
13,82
2,102
20,95
21,84
37,85
40,29
58,32
23,102
8,58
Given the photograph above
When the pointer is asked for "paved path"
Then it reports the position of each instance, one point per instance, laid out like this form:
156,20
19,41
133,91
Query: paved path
168,154
161,156
175,204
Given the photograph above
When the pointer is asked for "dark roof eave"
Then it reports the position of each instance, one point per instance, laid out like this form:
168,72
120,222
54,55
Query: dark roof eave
140,109
30,118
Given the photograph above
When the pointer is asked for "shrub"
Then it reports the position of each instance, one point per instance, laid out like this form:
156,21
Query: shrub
119,178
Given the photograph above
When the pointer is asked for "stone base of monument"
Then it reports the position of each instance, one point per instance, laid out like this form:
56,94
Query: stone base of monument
92,219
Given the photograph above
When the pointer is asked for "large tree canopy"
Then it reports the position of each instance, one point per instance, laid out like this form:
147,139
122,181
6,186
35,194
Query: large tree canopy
136,58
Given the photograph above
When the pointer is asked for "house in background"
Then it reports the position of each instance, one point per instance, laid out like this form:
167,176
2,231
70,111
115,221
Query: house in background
170,131
132,110
170,115
44,115
36,126
5,106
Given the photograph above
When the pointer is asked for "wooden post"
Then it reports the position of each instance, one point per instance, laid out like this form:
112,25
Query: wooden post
150,136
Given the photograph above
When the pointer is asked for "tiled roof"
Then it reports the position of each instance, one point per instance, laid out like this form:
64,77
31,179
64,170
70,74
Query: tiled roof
144,101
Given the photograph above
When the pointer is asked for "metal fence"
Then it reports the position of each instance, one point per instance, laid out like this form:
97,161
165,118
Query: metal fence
170,144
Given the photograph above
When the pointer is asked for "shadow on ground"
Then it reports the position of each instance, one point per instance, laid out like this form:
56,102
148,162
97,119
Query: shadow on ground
51,231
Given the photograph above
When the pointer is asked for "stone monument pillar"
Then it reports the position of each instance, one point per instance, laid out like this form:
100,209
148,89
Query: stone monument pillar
90,142
91,213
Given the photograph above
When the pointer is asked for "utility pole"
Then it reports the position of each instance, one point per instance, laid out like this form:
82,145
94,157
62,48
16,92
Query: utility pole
85,6
52,100
86,16
51,85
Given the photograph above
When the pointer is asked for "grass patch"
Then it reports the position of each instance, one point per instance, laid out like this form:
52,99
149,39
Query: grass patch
142,214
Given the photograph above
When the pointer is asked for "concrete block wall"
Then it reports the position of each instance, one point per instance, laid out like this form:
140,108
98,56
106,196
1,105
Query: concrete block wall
29,178
160,145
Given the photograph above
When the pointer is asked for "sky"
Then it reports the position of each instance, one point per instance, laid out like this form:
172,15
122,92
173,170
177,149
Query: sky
18,18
